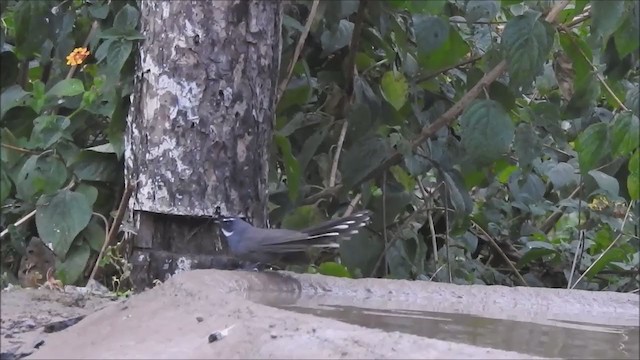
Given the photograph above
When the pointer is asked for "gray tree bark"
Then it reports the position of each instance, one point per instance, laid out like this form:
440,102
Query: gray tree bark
200,127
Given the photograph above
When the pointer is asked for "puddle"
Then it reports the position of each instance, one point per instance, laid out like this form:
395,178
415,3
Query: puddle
567,339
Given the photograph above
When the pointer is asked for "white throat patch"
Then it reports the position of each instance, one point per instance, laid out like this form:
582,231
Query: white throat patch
227,233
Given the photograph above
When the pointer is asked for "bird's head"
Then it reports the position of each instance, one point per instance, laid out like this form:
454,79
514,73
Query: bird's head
232,225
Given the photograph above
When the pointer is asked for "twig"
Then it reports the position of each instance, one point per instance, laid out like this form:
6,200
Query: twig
551,221
446,230
19,149
384,220
352,204
114,227
350,61
433,74
434,242
296,53
575,258
336,159
624,221
499,250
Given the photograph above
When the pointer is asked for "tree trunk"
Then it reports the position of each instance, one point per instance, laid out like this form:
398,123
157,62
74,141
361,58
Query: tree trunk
200,128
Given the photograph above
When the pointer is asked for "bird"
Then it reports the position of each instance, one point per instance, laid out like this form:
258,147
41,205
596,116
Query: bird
268,246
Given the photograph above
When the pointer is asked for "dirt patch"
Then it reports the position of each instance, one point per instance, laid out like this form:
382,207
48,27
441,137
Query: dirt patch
25,313
176,319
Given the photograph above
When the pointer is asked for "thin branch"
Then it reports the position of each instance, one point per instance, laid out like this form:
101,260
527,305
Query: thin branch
433,74
493,243
352,204
446,231
296,53
115,227
551,221
19,149
336,159
624,221
350,61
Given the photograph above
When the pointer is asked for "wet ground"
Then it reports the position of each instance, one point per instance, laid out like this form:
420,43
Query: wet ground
311,316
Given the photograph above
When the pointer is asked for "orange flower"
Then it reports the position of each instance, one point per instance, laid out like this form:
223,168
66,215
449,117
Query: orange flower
77,56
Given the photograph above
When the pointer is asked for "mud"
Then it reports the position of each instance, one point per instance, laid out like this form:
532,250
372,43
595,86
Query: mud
309,316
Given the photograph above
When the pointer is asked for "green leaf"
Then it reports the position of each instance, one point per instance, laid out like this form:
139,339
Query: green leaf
90,192
627,37
526,144
606,182
5,185
40,174
625,134
333,269
94,234
591,146
337,37
66,87
95,166
292,167
11,97
363,157
99,11
302,217
632,99
577,49
450,53
536,250
526,43
118,54
614,254
407,181
70,270
126,18
47,130
486,133
431,32
395,89
481,9
60,218
562,175
38,100
605,19
31,19
633,180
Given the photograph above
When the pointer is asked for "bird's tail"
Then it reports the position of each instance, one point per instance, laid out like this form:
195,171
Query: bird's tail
324,235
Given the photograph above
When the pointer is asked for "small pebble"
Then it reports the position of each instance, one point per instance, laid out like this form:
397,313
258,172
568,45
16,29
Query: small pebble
274,336
199,319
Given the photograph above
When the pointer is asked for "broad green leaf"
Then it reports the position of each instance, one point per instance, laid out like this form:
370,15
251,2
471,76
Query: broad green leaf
562,175
526,144
66,87
40,174
333,269
486,131
527,42
614,254
337,37
450,53
94,234
605,19
296,94
11,97
47,130
407,181
90,192
535,251
431,32
95,166
117,55
482,9
60,218
577,49
292,167
395,88
627,37
70,270
302,217
126,18
31,20
458,195
363,157
632,100
592,145
99,11
606,182
625,134
38,100
5,185
633,180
